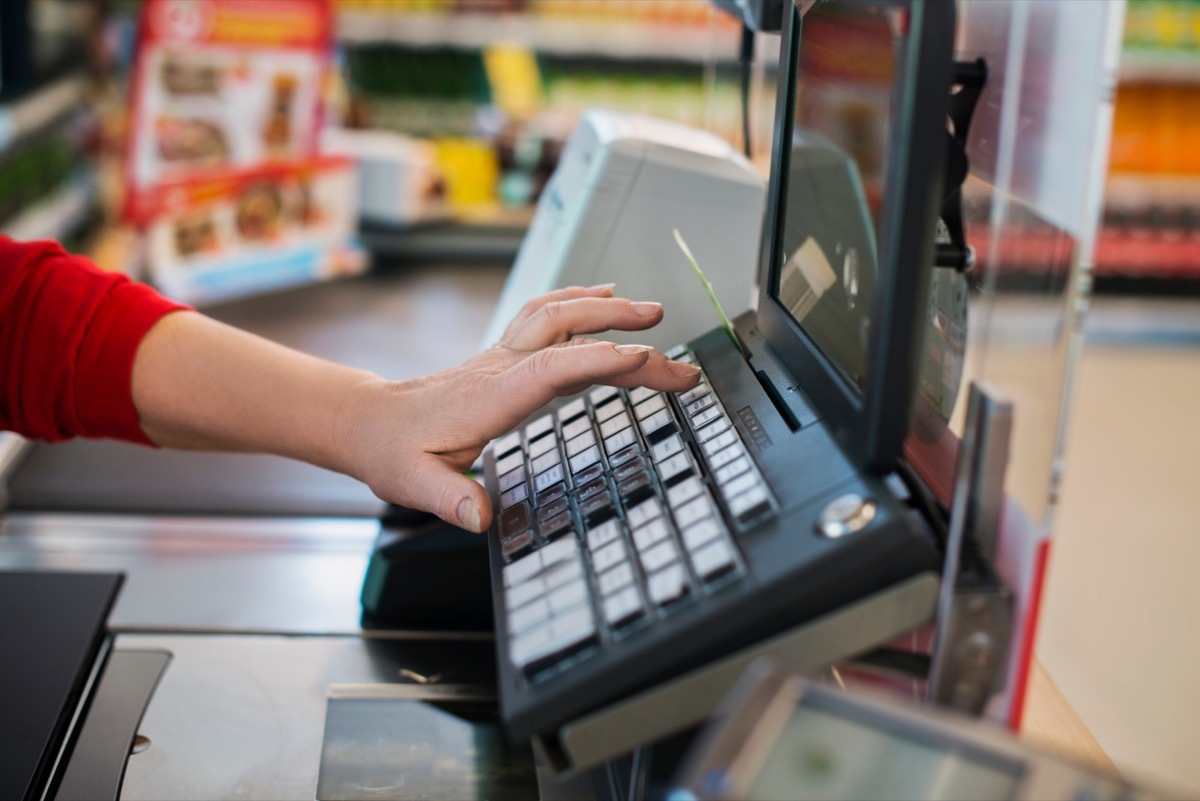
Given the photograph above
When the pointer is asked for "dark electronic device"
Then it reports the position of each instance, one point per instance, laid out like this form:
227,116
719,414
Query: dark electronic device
647,545
784,737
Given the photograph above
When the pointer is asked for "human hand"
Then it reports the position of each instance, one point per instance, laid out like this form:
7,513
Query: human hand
411,441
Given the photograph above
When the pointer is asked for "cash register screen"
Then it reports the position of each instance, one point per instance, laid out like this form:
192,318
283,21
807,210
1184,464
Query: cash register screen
822,754
831,193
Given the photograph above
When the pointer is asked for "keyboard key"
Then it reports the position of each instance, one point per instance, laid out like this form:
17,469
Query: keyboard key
707,416
699,405
713,560
547,480
514,495
597,509
543,445
612,580
667,448
696,535
683,492
575,428
639,394
553,640
750,505
568,595
693,510
609,556
509,463
676,468
559,551
513,521
661,555
555,507
644,512
718,426
515,547
528,615
635,488
590,489
539,427
733,469
696,392
554,527
511,479
603,534
518,596
581,443
601,394
650,534
624,455
506,444
628,470
546,461
572,410
623,608
620,440
586,458
654,404
523,569
658,426
610,409
560,574
587,474
740,484
614,424
720,442
730,454
551,493
668,585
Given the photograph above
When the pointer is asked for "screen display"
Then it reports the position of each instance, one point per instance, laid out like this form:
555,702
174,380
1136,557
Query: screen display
825,755
831,193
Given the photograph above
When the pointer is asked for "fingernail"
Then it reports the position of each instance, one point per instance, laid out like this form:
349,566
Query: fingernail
598,288
645,308
684,370
468,515
626,350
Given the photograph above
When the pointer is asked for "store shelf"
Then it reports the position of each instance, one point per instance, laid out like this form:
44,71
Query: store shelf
35,111
579,38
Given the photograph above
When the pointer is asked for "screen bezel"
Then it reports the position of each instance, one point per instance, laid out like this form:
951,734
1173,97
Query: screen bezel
872,426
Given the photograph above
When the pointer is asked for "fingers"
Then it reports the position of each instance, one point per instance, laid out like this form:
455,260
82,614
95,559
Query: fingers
551,372
450,495
567,293
560,320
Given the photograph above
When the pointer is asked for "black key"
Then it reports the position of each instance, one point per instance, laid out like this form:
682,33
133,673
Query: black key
588,474
557,506
589,489
624,455
551,493
597,509
515,547
557,526
629,469
635,489
514,520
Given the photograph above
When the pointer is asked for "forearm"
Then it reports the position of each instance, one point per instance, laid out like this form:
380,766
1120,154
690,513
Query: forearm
202,385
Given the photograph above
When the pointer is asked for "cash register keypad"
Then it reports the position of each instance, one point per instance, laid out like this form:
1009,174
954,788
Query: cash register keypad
615,510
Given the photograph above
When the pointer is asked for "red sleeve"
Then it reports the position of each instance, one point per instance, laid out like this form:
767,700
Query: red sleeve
68,335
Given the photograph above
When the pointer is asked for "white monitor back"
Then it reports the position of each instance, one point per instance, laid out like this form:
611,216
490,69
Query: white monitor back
623,183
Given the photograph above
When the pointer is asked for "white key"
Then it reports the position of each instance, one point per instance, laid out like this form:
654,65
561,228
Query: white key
744,503
576,427
644,512
585,459
525,592
615,579
545,461
523,569
684,491
667,448
722,458
572,410
712,559
740,484
581,443
507,443
639,394
693,510
706,416
610,409
702,532
695,393
509,463
532,644
543,445
646,536
623,606
719,425
672,467
655,421
614,424
538,427
603,534
620,440
700,404
609,556
528,615
661,555
733,470
649,407
720,442
561,574
668,585
567,596
559,551
600,394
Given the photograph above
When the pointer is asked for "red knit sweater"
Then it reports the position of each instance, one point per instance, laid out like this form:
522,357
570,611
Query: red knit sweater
68,335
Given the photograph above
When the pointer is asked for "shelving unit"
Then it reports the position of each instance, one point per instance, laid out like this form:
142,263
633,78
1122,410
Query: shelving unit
38,110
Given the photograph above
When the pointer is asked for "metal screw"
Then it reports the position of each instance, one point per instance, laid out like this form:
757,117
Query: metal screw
848,514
